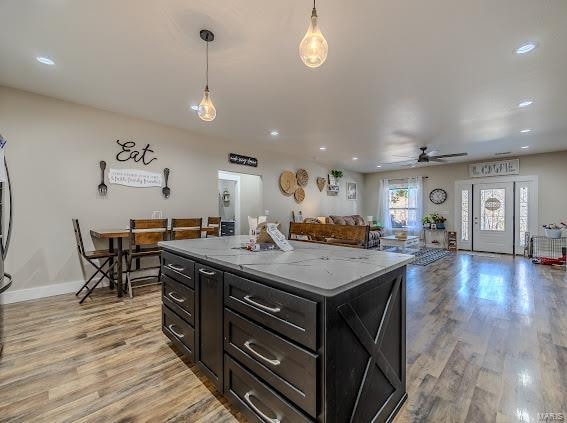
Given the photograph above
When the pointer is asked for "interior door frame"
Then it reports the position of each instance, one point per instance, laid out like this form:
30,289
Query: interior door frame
232,176
469,184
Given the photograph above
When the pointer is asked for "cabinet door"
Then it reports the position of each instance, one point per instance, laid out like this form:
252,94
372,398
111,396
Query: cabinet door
209,322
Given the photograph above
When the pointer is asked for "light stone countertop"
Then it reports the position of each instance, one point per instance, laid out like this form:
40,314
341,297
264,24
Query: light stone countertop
322,269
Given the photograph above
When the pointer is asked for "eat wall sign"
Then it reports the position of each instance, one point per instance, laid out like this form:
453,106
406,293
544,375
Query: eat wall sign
128,151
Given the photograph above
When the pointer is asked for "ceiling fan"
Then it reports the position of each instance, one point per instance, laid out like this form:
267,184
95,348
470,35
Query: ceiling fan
425,157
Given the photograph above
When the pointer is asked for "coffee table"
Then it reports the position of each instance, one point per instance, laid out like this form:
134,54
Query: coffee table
402,244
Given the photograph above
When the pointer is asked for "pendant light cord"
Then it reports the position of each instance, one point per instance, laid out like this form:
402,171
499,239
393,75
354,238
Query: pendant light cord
207,66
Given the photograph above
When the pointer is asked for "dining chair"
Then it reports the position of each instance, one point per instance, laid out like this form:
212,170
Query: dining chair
186,228
93,258
252,225
144,236
262,219
214,224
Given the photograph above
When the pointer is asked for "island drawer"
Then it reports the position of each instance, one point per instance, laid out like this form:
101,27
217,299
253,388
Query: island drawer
260,402
178,330
179,298
286,367
289,315
178,268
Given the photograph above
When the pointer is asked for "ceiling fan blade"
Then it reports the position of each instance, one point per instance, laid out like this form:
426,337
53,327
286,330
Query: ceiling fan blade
401,162
441,156
436,159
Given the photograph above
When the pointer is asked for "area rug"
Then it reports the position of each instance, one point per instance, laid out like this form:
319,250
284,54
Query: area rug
427,256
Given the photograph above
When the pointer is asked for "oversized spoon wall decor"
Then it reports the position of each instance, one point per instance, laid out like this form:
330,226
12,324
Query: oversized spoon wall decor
166,190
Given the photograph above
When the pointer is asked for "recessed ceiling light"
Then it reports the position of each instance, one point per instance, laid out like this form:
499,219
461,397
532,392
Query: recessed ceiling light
526,48
525,147
355,158
322,148
45,60
274,133
379,166
194,107
525,131
525,103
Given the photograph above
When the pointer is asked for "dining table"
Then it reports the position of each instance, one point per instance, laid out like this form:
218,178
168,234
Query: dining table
112,235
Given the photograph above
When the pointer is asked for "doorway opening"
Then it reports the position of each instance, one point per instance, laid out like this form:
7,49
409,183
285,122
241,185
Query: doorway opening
240,195
496,215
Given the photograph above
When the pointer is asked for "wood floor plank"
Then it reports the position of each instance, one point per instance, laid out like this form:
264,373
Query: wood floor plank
487,342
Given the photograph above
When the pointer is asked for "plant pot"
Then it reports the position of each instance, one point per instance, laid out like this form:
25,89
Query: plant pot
553,233
427,226
440,226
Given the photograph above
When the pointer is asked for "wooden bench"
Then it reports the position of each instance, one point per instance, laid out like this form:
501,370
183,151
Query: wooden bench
344,235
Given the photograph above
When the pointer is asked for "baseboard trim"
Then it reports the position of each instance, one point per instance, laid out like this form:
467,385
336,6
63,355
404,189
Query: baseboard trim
20,295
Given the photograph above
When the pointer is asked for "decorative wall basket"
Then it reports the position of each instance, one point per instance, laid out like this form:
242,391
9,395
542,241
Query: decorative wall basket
288,183
321,182
299,194
302,177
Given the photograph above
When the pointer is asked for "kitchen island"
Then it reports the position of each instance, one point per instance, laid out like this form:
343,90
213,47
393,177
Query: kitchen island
315,334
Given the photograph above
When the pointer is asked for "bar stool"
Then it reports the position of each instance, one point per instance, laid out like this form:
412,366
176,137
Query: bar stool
186,228
214,224
144,236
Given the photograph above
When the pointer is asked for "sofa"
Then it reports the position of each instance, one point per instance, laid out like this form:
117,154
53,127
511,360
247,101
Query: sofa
373,235
351,231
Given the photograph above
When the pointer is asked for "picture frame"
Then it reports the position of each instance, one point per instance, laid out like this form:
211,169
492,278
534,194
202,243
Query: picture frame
332,184
351,191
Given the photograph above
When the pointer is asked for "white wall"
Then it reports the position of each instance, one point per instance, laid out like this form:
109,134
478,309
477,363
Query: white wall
53,151
551,168
251,200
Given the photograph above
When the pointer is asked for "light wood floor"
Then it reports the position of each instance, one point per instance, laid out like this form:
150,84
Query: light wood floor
487,341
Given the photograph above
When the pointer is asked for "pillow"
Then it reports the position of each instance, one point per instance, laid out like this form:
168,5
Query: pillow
338,220
310,220
358,220
349,221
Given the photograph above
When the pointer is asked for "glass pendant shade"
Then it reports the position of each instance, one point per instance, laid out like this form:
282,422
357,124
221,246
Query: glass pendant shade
207,111
313,48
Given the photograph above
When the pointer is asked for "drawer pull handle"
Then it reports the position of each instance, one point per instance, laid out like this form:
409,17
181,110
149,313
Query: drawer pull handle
262,306
176,268
247,397
204,272
175,297
248,344
179,335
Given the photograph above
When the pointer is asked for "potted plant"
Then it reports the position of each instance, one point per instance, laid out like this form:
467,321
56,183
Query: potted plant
438,220
426,220
337,174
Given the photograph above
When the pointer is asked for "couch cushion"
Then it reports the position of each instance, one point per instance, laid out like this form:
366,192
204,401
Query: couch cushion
338,220
348,220
358,220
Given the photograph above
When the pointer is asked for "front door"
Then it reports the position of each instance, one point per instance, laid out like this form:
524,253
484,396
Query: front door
493,217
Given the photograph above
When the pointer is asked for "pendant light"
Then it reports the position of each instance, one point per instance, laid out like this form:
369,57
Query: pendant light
313,48
207,111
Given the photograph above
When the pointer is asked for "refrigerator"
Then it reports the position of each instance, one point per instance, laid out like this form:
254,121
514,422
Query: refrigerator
6,213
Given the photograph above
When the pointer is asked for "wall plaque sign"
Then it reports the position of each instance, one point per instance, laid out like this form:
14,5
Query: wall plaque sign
129,152
242,160
500,168
134,178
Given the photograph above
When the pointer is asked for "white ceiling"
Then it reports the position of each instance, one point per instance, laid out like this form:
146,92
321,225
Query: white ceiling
400,74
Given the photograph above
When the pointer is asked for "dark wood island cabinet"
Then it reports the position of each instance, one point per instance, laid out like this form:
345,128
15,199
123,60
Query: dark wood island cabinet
313,335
